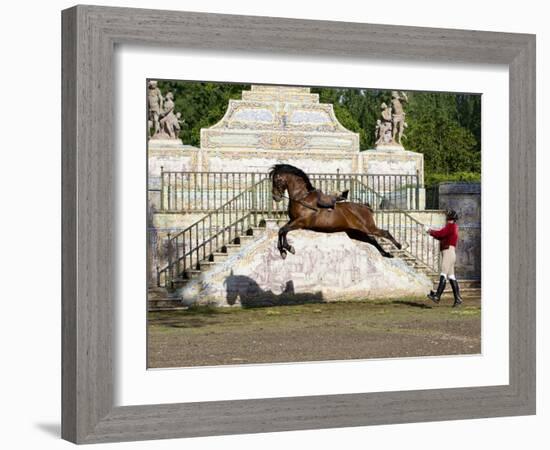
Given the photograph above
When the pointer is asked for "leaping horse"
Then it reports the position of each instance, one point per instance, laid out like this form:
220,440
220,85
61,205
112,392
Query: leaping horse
355,219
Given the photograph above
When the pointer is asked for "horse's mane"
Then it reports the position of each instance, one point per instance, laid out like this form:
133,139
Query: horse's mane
279,169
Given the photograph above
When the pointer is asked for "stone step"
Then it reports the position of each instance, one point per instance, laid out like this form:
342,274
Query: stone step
466,293
219,256
406,258
207,265
245,239
463,291
419,265
192,273
463,284
230,249
279,221
168,308
180,282
165,304
160,293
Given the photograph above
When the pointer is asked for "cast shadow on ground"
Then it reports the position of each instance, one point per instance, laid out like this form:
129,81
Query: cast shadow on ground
196,316
412,303
243,289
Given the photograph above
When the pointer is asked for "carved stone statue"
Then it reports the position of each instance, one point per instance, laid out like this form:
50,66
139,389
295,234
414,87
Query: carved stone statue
169,124
386,112
154,107
384,125
177,124
164,124
398,116
391,124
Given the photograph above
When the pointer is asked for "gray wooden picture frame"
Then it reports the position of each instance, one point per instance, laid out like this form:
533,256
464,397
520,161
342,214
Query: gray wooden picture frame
90,34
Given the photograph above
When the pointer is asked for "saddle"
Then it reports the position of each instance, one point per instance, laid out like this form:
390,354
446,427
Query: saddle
329,200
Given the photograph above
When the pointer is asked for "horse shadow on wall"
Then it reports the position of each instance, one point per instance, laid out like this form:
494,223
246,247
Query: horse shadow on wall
243,289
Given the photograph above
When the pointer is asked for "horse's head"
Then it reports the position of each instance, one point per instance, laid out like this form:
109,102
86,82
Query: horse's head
286,177
278,186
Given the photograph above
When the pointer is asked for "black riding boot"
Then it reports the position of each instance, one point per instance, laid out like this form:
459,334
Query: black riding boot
436,296
456,293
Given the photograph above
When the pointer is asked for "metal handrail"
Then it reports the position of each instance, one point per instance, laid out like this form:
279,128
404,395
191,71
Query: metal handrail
197,242
206,191
408,230
220,227
425,251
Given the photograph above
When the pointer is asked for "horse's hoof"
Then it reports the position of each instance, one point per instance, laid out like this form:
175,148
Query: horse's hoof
388,255
283,254
398,245
291,249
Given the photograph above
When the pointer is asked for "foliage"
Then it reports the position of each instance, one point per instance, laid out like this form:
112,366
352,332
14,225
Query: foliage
201,104
442,133
431,178
445,127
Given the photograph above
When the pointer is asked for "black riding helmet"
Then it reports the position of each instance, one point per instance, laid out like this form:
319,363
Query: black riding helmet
451,214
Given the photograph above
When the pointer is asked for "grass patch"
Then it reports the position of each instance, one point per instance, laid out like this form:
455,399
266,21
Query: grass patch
388,314
209,335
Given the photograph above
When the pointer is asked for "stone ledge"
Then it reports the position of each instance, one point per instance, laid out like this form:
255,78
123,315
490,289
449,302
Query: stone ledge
462,187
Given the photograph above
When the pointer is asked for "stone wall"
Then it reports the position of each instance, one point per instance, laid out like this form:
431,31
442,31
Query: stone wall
465,199
269,125
158,227
281,124
326,267
409,234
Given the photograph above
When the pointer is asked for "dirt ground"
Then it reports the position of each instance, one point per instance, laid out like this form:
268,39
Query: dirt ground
206,336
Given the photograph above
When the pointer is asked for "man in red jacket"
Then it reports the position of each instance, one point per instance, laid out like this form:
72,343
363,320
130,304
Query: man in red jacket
448,238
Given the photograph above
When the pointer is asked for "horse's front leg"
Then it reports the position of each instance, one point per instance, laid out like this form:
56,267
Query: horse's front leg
284,240
292,225
280,245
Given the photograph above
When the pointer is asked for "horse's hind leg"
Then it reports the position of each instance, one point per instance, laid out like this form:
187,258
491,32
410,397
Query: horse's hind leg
364,237
386,235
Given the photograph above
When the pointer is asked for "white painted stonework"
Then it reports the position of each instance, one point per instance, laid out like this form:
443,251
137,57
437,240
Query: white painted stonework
273,124
279,118
326,267
279,124
282,124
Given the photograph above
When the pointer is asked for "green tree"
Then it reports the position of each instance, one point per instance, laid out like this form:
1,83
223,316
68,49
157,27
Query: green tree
445,127
436,131
202,104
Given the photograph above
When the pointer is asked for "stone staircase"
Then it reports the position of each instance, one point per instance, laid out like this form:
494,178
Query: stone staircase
408,258
164,299
468,288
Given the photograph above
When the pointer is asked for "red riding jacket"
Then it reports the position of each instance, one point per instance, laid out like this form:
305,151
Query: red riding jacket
447,236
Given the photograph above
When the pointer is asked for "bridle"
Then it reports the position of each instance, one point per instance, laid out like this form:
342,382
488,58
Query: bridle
297,200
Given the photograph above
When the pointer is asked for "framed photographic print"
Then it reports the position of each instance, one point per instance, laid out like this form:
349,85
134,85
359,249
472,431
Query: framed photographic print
269,213
214,223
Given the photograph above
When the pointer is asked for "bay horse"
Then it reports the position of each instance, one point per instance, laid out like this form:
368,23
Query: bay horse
355,219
